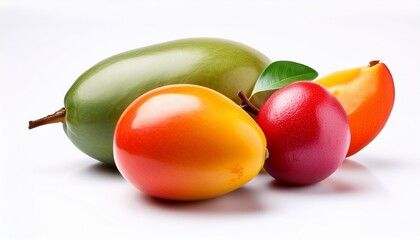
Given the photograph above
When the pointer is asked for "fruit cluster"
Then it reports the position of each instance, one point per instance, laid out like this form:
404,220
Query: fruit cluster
197,118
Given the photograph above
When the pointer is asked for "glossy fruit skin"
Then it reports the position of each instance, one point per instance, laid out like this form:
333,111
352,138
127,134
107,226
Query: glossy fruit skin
187,142
97,99
367,94
307,133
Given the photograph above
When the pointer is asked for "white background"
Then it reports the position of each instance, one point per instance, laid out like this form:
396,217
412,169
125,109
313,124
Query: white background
50,190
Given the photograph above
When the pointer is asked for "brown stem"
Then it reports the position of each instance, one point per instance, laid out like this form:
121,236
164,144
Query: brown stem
59,116
246,104
373,63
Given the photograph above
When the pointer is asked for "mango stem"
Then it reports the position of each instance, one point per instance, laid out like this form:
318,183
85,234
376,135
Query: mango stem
59,116
373,63
246,104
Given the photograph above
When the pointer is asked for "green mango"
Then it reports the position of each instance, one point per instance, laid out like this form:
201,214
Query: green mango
98,97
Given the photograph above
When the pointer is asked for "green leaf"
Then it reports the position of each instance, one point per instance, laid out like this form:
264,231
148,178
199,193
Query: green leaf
277,75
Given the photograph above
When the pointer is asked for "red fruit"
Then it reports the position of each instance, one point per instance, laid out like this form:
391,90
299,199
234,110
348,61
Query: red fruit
307,133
